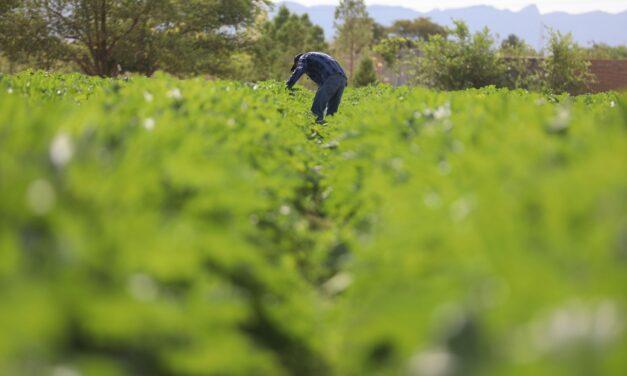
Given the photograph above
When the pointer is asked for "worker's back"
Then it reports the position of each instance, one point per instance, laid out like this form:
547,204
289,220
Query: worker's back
318,66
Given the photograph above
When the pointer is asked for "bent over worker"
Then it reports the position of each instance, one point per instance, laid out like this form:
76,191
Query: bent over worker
327,74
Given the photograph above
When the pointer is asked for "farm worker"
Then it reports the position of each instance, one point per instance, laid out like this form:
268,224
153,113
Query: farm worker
327,74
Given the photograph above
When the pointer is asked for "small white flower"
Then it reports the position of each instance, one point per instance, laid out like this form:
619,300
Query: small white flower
142,287
461,208
10,90
148,97
397,164
444,167
435,362
458,146
338,283
612,104
442,112
64,370
175,94
285,210
432,200
40,196
61,150
561,122
149,124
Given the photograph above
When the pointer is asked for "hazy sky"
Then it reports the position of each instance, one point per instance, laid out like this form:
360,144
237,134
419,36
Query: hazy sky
571,6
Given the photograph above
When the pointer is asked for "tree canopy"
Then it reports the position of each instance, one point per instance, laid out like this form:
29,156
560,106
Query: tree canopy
462,61
103,37
420,28
354,30
281,39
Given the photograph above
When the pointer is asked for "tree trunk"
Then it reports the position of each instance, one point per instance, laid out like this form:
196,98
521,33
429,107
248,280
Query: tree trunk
351,58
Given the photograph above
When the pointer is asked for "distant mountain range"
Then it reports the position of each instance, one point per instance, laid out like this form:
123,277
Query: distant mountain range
528,23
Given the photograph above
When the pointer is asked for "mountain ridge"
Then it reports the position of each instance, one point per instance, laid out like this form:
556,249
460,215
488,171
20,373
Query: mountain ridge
528,23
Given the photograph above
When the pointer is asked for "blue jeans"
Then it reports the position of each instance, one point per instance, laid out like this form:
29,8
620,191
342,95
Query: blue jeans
329,96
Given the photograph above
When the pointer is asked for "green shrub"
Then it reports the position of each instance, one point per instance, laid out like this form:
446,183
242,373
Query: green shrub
460,61
565,68
366,74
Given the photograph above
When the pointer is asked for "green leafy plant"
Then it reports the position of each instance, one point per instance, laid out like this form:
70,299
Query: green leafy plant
460,61
565,68
191,227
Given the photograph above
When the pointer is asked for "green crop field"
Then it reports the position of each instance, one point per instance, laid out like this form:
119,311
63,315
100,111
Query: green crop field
155,226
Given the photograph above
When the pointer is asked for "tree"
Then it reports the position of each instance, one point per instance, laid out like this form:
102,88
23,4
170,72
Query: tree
512,42
281,39
605,51
565,68
521,69
461,61
397,53
379,32
25,38
201,36
354,30
419,29
102,36
366,74
85,32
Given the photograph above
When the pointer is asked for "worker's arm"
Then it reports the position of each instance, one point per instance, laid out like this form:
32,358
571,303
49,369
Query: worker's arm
298,72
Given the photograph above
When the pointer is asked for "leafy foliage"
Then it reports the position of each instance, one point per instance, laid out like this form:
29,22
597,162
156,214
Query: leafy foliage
461,62
421,28
185,227
283,38
354,30
105,37
366,74
566,68
523,64
392,49
607,52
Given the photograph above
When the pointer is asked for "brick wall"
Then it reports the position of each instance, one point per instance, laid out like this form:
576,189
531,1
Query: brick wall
610,75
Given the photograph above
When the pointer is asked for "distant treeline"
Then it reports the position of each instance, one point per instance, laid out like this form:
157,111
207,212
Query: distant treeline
238,40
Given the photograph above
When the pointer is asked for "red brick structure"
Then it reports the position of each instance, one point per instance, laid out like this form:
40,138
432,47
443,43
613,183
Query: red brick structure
610,75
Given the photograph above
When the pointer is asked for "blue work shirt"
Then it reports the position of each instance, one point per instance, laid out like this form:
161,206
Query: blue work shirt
318,66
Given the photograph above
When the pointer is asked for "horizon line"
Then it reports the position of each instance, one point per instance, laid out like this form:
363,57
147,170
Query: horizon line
435,9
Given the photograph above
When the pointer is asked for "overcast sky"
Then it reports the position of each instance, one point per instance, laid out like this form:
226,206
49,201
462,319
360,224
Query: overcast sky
571,6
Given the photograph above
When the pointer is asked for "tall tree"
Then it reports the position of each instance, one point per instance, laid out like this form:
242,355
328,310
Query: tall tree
25,38
354,29
379,32
200,36
419,29
281,39
102,35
